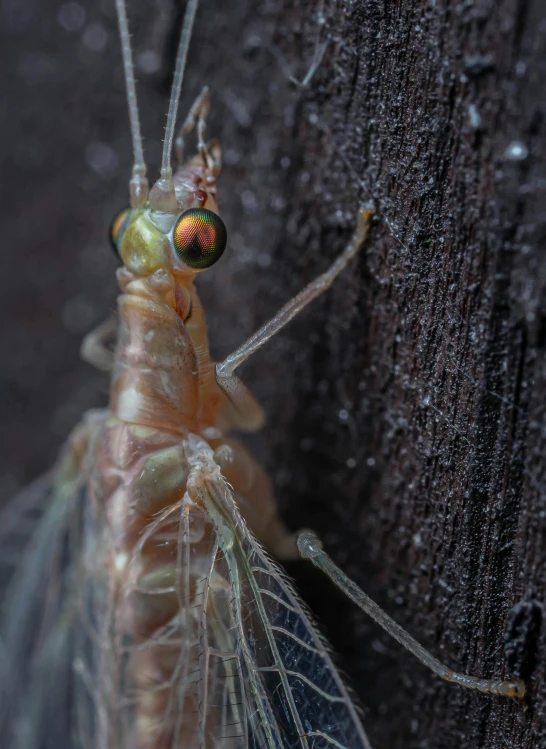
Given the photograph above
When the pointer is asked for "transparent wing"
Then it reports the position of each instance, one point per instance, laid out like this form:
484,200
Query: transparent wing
274,681
194,641
39,530
221,654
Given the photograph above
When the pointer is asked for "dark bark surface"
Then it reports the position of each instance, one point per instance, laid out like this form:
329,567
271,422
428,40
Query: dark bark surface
406,408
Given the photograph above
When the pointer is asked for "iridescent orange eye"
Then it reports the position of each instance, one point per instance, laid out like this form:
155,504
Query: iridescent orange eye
199,238
119,224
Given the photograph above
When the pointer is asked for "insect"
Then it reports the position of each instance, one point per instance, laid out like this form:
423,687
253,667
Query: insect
149,600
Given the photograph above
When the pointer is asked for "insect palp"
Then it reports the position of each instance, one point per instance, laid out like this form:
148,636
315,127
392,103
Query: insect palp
210,152
196,116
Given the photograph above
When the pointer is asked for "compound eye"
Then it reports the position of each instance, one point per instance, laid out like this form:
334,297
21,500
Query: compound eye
118,226
199,238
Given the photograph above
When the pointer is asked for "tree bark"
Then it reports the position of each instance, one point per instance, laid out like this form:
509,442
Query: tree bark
406,407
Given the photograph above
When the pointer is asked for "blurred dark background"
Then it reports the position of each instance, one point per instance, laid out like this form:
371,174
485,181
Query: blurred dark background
406,408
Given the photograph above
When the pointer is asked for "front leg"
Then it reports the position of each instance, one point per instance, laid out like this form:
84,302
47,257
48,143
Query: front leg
225,370
96,346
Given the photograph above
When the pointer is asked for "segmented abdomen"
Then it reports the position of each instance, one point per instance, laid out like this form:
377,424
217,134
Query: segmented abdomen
147,555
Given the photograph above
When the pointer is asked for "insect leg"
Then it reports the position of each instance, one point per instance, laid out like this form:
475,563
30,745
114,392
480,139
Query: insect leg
224,370
310,547
95,349
242,413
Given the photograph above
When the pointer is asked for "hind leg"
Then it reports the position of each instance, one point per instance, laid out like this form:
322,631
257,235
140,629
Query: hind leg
310,547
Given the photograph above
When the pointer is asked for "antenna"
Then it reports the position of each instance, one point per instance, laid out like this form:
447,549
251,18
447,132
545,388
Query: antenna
181,56
138,185
162,196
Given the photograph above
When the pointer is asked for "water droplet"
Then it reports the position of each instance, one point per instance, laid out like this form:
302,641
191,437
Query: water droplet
95,37
516,151
101,158
474,116
148,61
71,16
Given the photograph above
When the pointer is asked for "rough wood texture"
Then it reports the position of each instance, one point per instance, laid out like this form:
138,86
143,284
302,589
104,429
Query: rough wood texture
407,420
